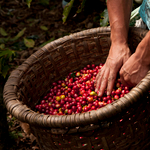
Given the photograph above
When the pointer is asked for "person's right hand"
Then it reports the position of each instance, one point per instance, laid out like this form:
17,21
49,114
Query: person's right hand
118,55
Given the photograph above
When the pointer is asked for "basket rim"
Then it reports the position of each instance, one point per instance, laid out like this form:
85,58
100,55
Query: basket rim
25,114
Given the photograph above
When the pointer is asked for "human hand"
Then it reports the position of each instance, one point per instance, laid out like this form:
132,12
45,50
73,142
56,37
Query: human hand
118,55
137,66
133,71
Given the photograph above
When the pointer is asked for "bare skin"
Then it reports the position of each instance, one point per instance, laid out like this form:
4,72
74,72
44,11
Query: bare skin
137,66
119,59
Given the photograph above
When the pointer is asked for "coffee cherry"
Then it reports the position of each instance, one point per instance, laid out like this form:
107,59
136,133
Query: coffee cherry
76,93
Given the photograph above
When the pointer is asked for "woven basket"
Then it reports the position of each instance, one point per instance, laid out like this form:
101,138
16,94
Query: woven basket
123,124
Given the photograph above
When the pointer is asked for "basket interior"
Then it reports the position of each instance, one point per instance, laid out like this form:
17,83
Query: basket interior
54,63
28,84
32,80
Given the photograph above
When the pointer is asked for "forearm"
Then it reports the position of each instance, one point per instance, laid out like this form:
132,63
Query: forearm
143,50
119,16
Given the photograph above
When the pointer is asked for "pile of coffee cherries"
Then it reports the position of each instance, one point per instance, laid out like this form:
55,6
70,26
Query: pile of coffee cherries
76,93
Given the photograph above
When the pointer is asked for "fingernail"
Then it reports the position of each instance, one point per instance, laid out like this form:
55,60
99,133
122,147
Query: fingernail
99,93
108,93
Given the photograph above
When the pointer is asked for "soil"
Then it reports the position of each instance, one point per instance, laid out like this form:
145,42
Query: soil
15,16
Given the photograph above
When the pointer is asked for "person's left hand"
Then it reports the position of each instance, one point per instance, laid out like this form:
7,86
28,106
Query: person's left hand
133,71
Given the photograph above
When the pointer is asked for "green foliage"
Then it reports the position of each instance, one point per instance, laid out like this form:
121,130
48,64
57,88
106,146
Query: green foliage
11,121
104,21
134,16
44,28
28,3
19,35
18,42
15,135
81,7
67,10
6,56
2,46
29,42
4,40
133,21
3,32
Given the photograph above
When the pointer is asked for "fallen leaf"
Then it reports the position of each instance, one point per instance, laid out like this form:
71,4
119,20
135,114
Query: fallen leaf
18,35
29,42
3,32
28,2
44,28
32,138
25,127
2,46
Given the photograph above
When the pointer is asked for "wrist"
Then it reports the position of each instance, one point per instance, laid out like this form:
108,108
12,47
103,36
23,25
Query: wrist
119,35
143,50
119,51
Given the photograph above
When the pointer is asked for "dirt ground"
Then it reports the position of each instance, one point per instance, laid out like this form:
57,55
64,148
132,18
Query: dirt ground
15,16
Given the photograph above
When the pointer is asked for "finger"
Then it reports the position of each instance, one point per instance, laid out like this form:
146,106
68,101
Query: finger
98,81
97,77
111,82
99,74
125,78
103,84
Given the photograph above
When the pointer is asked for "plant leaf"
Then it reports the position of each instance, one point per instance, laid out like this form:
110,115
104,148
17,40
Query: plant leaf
2,46
105,19
134,13
3,32
5,57
4,70
133,21
4,40
29,42
81,7
28,3
7,53
66,10
44,28
19,35
20,134
25,127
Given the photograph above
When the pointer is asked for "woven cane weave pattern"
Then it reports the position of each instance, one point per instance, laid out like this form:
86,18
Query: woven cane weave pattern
123,124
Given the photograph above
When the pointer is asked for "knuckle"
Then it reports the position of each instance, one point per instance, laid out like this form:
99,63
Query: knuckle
126,78
121,72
